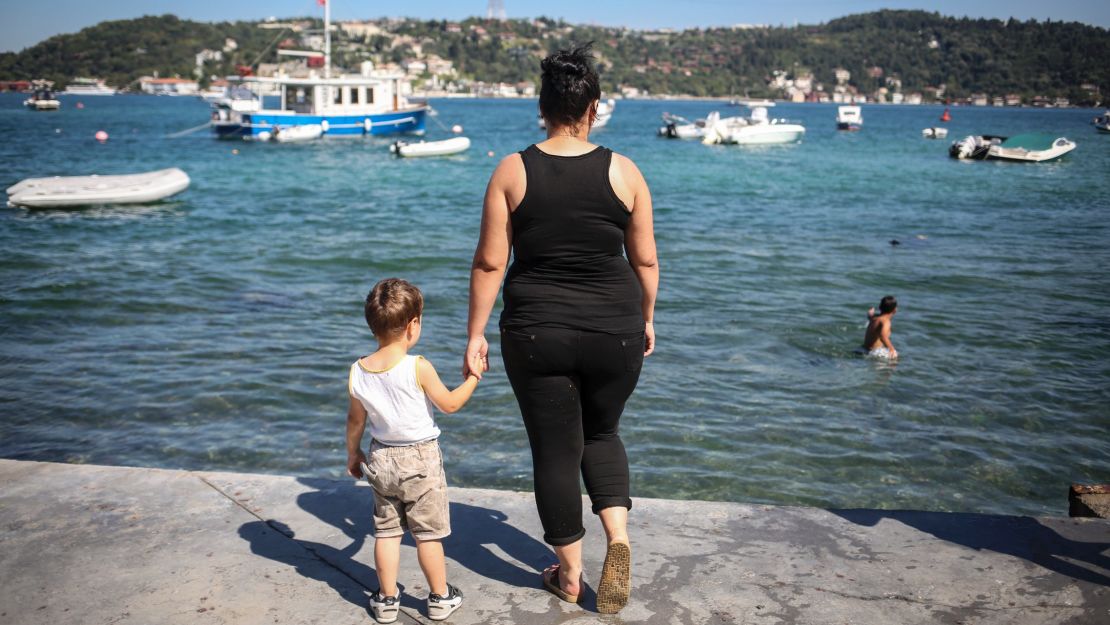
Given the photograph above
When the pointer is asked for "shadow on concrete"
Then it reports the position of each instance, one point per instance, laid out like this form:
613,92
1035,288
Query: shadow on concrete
271,539
1021,537
482,540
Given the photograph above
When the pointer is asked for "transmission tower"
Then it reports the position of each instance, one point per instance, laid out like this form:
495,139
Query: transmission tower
495,10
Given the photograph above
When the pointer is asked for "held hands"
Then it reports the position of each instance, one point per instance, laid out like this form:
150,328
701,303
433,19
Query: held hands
476,359
352,464
649,338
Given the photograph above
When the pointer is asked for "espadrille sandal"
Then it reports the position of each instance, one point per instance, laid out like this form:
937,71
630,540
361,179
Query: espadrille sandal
616,578
550,577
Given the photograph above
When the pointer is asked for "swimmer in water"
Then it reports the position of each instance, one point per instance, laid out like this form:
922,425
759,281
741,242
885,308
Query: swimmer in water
876,342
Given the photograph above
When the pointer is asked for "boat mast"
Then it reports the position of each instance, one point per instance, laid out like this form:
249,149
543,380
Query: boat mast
327,38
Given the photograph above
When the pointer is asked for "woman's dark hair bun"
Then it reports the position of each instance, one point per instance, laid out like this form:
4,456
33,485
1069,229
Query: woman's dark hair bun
568,85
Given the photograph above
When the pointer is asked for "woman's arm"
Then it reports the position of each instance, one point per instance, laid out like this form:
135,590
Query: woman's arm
491,256
639,244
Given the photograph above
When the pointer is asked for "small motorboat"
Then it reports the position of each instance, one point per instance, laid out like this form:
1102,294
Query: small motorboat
757,129
454,145
43,98
1031,148
293,134
1102,122
974,147
849,118
677,127
61,191
934,133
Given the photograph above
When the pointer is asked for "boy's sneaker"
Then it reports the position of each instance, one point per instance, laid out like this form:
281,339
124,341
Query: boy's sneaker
385,609
439,607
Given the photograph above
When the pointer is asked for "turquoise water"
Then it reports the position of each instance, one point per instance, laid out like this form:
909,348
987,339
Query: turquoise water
214,331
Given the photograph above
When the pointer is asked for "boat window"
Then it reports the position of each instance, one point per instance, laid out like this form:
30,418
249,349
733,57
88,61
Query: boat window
298,99
354,95
370,95
337,93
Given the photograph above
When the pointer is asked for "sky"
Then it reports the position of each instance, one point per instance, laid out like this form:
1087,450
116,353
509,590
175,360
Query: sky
24,23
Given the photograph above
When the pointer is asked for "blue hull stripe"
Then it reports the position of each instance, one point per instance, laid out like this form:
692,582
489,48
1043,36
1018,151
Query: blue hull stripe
378,124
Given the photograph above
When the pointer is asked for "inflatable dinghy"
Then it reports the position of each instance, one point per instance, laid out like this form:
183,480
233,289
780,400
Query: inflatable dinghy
84,190
446,147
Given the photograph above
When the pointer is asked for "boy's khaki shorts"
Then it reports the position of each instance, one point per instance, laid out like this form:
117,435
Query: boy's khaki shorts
410,490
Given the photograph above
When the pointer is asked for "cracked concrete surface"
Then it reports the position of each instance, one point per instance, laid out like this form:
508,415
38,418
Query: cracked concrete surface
91,544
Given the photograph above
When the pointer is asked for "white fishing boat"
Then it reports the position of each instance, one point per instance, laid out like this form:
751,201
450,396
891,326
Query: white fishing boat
605,110
293,134
1031,148
757,129
849,118
371,102
88,86
677,127
935,132
445,147
59,191
43,98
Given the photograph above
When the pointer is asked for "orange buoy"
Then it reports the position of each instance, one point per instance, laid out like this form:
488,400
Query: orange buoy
946,116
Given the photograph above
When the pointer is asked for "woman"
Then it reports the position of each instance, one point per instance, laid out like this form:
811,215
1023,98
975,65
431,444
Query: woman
577,321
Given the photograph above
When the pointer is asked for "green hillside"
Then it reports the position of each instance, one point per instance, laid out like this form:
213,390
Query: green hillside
917,48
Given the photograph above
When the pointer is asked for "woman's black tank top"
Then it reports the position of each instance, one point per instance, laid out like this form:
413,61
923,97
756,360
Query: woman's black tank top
569,269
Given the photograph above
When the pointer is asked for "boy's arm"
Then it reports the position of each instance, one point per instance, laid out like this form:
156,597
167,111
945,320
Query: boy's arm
445,400
356,424
884,337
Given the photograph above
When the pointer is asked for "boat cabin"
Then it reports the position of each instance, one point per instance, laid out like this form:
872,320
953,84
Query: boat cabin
345,95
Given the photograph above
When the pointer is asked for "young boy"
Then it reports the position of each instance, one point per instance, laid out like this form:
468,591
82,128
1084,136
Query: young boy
395,391
876,342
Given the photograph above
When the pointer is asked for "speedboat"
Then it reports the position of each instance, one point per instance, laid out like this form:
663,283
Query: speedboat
43,98
935,132
1031,148
1102,122
757,129
677,127
59,191
849,118
446,147
371,102
605,110
974,147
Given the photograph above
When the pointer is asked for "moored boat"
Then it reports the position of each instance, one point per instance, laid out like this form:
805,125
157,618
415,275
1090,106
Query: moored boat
1102,122
88,86
43,98
677,127
446,147
294,134
849,118
60,191
1031,148
973,147
605,110
935,132
369,103
756,129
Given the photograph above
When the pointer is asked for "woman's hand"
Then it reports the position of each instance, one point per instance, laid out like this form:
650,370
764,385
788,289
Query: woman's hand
649,338
477,351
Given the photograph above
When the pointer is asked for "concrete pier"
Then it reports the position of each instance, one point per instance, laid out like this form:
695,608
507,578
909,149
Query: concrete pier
114,545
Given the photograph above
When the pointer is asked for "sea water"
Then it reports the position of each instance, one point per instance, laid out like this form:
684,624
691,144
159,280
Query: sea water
215,330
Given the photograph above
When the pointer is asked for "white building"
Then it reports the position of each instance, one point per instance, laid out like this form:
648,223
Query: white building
167,86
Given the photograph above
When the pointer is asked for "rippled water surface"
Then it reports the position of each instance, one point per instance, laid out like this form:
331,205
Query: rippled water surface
214,331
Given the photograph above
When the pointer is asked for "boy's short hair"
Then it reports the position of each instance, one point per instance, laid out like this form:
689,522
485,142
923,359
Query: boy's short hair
887,304
391,305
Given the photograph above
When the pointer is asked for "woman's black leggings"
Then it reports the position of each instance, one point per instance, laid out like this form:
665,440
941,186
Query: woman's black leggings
571,387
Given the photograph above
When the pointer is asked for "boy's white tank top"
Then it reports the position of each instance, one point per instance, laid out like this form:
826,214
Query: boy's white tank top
398,411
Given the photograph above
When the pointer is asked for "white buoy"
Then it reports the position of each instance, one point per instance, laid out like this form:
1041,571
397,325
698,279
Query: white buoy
457,129
101,136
